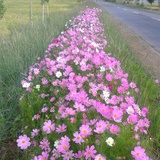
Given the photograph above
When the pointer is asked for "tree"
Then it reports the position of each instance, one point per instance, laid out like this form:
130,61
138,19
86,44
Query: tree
43,7
2,9
151,1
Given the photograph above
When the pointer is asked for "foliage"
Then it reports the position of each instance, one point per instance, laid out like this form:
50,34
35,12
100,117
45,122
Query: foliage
78,101
2,9
150,1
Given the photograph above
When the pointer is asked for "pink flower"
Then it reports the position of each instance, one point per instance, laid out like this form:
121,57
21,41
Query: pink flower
132,119
68,155
139,153
78,138
99,157
79,107
44,156
157,81
44,109
144,111
114,129
109,77
48,126
61,128
36,71
34,132
117,114
44,144
23,142
72,120
79,155
44,81
63,147
52,99
85,130
100,126
90,152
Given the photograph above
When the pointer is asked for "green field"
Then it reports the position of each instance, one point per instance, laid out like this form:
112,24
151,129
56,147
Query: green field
22,42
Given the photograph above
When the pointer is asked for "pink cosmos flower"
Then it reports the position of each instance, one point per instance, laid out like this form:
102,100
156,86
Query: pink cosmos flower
144,111
23,142
56,153
157,81
34,132
68,155
139,153
44,81
70,111
100,126
44,109
117,114
36,71
85,130
90,152
43,156
44,144
52,99
132,119
114,129
79,107
99,157
109,77
63,147
77,138
61,128
48,127
80,154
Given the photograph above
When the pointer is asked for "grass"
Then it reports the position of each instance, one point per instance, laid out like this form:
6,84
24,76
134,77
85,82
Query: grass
18,12
22,43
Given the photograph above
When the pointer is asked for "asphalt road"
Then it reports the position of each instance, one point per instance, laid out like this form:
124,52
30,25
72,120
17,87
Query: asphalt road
145,24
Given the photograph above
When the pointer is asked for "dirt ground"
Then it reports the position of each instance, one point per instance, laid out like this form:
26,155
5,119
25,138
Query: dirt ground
145,53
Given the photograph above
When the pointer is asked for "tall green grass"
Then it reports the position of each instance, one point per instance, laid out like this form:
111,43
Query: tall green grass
18,51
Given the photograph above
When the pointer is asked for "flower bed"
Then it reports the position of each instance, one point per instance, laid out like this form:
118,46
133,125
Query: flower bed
78,102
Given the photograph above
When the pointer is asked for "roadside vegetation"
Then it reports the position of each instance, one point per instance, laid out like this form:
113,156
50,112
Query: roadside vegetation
22,43
150,6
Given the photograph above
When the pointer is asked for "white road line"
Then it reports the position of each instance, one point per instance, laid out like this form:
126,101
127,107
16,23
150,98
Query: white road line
155,19
124,9
135,12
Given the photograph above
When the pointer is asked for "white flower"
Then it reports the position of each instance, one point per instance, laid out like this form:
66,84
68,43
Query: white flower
58,74
26,85
56,143
106,94
97,50
94,44
59,59
111,70
130,110
110,141
38,87
102,69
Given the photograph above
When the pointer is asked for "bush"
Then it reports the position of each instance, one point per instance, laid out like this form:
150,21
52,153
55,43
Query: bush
2,9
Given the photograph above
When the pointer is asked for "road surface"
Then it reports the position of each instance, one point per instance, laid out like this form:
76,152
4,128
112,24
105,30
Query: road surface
145,24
